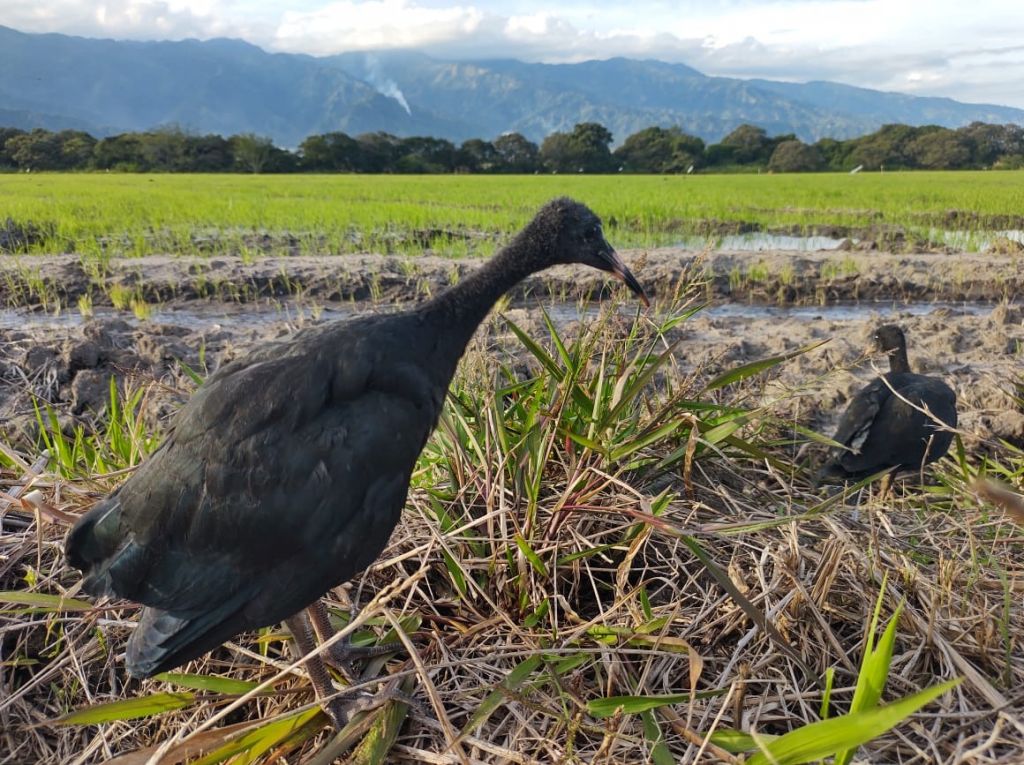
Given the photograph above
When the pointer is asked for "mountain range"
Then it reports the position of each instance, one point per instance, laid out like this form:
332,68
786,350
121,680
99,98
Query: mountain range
230,86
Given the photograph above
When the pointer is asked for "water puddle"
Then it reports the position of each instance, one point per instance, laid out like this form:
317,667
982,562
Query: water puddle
862,311
200,317
211,317
968,241
843,311
761,242
975,240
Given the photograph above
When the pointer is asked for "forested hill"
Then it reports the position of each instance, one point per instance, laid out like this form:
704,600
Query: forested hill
585,149
231,87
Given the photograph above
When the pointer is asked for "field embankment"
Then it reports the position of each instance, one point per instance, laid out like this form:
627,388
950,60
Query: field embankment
784,278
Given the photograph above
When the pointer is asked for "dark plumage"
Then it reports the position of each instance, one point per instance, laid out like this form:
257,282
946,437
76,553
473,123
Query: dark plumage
885,425
286,472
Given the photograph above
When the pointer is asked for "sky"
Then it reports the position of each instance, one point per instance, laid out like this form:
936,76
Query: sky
971,51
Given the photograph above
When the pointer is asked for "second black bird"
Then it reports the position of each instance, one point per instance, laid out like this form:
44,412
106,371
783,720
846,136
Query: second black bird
901,420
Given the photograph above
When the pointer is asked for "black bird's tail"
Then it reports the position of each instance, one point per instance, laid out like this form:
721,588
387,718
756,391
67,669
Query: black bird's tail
114,563
93,544
164,640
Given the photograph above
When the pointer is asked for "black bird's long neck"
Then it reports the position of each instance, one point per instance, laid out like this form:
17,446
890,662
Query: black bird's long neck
898,362
458,311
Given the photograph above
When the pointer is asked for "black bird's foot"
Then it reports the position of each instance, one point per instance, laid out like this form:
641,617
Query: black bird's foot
341,710
342,654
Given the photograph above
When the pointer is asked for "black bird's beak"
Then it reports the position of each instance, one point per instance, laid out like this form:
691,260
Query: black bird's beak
617,267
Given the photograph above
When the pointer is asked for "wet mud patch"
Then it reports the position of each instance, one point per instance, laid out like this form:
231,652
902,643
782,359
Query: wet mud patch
69,362
65,373
784,278
174,313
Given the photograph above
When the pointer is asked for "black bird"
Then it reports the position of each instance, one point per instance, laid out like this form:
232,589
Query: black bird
896,421
287,471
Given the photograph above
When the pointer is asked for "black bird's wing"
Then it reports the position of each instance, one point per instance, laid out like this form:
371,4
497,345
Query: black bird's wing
282,477
859,417
886,425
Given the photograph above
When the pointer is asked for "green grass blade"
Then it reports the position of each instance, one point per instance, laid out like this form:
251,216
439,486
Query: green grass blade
826,697
537,352
638,384
212,683
376,744
127,709
263,738
723,430
606,707
568,665
587,553
556,339
587,443
535,561
660,755
744,371
193,375
52,603
512,681
822,739
646,439
874,667
455,572
736,741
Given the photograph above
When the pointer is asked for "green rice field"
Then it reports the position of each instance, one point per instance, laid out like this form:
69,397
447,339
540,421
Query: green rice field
146,214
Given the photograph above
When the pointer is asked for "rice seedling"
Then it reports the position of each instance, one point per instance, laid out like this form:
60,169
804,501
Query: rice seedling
140,308
106,215
85,305
121,296
758,272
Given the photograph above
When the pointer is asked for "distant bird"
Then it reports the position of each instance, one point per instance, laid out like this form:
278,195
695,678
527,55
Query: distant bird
287,471
897,421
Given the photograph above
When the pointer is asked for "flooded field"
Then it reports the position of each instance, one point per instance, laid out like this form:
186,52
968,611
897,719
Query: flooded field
961,313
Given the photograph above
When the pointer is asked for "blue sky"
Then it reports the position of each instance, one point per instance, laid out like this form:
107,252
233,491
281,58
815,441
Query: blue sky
972,51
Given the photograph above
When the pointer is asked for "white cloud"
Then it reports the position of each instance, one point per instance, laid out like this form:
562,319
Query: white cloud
373,24
129,19
535,24
969,51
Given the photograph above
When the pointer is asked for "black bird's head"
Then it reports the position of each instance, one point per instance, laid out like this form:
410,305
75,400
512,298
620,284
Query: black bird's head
575,235
888,338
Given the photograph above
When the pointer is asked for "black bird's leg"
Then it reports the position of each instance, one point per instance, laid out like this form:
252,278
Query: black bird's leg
318,673
340,709
886,486
342,653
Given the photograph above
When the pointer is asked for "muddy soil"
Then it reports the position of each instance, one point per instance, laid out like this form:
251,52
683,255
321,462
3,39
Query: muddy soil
770,277
214,309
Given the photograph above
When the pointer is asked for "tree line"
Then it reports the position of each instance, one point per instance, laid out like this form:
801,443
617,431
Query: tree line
585,149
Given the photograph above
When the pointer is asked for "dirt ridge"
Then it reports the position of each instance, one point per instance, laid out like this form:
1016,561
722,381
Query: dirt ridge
770,277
